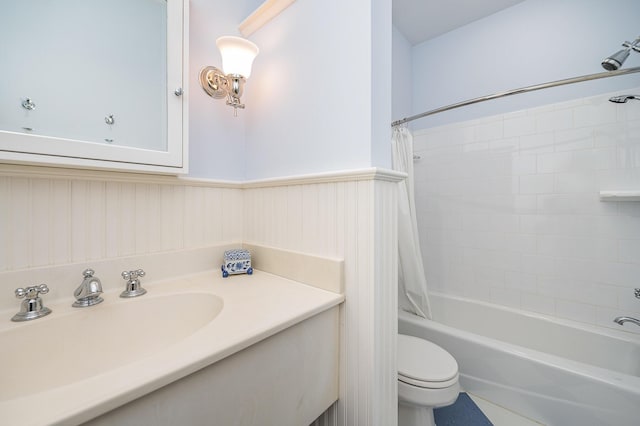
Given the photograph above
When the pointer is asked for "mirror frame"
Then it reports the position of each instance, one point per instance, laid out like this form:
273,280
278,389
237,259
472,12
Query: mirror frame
20,148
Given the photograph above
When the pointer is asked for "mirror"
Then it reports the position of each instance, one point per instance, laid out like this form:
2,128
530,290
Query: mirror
92,80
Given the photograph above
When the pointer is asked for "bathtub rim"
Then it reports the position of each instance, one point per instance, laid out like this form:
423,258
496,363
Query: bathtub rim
608,377
626,335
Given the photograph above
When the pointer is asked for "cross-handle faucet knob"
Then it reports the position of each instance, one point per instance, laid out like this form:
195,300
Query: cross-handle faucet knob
31,307
133,287
636,291
31,292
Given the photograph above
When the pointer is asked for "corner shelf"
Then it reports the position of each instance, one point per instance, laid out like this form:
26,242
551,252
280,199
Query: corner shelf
620,195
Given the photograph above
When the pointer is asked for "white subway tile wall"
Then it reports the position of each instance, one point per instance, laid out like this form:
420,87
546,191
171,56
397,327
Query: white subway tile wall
509,209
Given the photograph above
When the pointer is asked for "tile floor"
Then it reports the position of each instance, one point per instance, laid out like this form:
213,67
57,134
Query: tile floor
501,416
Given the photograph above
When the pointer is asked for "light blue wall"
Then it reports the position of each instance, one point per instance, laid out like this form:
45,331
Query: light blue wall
312,106
402,78
531,43
381,91
216,138
318,100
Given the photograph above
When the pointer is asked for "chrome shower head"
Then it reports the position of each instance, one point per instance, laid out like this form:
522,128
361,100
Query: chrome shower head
615,61
623,98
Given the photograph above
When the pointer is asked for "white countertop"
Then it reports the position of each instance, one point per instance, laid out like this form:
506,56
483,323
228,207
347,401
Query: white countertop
255,307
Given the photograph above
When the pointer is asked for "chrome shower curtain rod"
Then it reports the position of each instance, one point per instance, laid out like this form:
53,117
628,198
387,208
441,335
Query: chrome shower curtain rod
596,76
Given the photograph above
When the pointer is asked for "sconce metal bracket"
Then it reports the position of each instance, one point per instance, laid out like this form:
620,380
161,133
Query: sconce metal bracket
214,82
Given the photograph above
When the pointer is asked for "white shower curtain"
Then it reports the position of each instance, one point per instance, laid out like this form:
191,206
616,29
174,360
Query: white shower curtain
412,281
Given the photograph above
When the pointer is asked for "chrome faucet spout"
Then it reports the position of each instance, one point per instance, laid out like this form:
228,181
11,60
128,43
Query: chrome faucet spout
622,320
88,293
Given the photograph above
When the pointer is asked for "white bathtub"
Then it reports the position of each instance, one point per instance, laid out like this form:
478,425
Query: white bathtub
556,372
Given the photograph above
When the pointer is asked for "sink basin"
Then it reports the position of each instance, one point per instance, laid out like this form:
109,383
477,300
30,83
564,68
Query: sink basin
74,345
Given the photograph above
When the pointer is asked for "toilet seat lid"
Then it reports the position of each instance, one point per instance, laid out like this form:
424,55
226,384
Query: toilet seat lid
422,361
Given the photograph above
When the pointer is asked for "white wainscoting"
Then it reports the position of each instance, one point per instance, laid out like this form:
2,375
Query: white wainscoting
354,220
61,216
49,217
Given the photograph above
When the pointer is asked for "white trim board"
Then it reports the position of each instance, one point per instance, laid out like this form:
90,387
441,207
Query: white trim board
263,14
28,171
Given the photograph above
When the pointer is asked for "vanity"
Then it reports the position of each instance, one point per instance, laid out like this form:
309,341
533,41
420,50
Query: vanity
196,349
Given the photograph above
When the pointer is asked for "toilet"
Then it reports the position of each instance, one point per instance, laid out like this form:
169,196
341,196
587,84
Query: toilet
427,379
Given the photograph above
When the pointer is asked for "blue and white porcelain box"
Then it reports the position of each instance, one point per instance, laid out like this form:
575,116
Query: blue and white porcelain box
236,261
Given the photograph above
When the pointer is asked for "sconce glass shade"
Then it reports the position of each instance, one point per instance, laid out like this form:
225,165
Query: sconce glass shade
237,55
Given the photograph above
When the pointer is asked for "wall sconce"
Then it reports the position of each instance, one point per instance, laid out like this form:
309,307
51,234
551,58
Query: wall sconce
237,56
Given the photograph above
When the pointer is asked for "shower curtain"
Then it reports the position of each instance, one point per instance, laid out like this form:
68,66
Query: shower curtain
412,281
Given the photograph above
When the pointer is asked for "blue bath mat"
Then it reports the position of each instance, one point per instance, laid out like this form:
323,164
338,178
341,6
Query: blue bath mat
464,412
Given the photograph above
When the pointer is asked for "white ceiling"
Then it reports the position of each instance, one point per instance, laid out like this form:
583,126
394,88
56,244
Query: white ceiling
421,20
